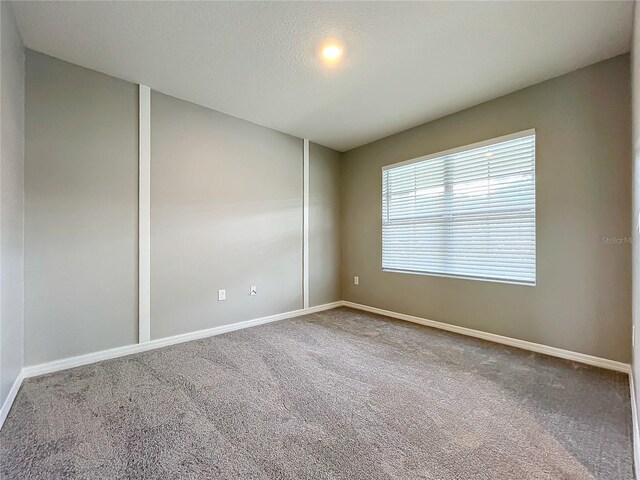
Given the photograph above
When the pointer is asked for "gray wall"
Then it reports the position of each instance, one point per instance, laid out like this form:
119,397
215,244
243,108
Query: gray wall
324,225
635,145
582,300
81,193
11,200
226,213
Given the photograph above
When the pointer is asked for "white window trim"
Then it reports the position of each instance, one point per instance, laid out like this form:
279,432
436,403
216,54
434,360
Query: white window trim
484,143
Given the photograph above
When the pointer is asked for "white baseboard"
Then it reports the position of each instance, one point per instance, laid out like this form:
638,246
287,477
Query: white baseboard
71,362
49,367
634,423
6,406
492,337
66,363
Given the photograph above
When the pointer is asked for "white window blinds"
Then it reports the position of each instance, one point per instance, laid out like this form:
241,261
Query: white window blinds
468,212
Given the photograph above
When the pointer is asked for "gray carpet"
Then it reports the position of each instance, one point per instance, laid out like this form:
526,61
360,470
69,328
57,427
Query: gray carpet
340,394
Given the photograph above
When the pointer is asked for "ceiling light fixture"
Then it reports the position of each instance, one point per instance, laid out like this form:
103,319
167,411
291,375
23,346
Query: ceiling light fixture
331,52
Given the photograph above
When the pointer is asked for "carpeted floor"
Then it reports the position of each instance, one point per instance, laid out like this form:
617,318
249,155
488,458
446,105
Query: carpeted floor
340,394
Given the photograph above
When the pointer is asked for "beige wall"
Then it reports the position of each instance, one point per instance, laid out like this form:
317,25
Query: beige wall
582,300
226,213
635,145
11,201
324,225
81,193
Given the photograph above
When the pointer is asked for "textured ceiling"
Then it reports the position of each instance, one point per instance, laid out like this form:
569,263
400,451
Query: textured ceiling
405,63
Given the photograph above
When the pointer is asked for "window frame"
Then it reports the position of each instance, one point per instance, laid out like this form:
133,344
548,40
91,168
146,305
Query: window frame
451,151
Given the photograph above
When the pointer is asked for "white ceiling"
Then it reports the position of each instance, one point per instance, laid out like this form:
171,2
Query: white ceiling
405,63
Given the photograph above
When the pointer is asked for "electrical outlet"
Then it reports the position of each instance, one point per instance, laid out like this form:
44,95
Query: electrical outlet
253,290
222,295
356,280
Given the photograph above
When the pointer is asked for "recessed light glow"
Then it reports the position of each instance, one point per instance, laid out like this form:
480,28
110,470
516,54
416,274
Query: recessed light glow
332,52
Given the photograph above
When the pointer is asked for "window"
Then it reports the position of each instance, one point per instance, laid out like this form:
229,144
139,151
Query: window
468,212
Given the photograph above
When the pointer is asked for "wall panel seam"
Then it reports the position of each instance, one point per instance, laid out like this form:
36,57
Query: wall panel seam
144,216
305,225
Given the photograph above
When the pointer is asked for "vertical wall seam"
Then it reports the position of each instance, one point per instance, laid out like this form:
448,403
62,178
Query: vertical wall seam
305,225
24,193
144,215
